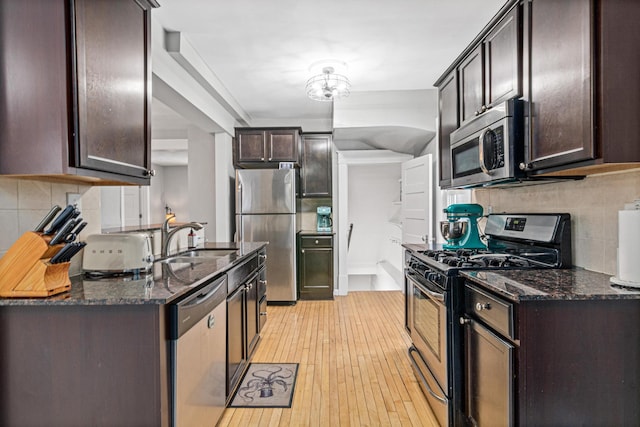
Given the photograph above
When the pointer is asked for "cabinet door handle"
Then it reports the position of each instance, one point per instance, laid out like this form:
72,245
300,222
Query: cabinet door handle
485,306
317,242
263,282
263,313
302,251
464,321
150,172
263,256
526,166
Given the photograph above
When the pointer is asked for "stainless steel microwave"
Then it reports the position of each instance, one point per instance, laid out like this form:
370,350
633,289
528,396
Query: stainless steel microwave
488,150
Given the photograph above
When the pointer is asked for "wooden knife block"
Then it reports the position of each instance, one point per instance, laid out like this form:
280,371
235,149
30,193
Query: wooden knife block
25,270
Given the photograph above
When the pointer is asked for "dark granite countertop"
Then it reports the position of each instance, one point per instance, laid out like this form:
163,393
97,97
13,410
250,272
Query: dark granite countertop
316,233
550,284
163,284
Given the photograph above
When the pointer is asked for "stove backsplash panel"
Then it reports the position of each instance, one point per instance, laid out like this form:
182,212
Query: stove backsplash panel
593,204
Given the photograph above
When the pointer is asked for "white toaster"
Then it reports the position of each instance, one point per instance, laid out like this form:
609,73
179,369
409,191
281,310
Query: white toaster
118,252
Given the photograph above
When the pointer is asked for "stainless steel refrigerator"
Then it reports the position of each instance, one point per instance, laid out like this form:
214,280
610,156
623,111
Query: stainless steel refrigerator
266,212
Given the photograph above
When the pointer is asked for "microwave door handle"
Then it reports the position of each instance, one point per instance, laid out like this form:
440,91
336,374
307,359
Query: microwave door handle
483,165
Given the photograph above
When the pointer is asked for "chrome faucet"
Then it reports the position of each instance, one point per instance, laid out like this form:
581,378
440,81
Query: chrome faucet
167,233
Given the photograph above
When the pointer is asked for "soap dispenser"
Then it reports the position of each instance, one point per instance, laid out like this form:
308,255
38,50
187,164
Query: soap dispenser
191,239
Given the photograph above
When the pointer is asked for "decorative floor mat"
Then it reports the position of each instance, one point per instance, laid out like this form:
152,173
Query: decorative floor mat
266,385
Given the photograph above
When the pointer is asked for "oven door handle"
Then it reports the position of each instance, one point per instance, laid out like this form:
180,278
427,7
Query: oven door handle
438,296
423,379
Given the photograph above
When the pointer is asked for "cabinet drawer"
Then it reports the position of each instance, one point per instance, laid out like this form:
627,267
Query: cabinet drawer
316,242
493,311
240,273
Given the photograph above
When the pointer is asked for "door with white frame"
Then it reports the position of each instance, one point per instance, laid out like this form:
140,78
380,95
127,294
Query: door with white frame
417,200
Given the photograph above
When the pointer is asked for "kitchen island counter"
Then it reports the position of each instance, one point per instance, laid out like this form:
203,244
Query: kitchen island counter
165,283
551,284
99,354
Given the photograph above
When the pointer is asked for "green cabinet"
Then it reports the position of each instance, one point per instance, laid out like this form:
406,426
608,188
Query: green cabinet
315,266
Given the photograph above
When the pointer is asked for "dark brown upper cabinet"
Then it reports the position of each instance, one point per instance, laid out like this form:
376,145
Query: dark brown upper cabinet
492,72
76,101
582,86
315,171
471,72
448,122
503,59
266,147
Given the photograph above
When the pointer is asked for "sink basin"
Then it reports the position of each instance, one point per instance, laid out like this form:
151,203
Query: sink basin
181,260
207,253
197,256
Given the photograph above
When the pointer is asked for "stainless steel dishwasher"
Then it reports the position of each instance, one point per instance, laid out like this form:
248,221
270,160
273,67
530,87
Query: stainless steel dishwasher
198,355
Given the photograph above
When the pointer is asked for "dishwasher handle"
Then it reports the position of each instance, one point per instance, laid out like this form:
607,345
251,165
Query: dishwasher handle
184,314
204,296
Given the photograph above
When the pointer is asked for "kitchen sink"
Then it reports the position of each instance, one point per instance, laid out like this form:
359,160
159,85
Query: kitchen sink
197,256
179,259
207,253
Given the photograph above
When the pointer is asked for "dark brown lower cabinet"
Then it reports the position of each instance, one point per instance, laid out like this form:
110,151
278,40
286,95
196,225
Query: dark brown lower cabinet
315,266
84,366
551,362
243,319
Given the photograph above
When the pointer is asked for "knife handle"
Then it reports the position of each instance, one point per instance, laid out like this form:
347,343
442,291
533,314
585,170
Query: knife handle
47,219
61,219
77,246
60,236
76,229
58,257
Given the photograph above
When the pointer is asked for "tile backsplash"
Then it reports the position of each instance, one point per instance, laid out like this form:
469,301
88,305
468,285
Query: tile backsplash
593,203
307,218
23,203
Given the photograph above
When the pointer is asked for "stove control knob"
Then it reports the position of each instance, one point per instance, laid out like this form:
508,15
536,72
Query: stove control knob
485,306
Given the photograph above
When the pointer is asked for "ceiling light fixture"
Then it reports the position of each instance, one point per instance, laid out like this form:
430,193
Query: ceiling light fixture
328,86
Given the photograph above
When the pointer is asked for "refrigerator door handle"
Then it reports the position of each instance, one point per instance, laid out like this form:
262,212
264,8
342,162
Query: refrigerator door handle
240,228
240,198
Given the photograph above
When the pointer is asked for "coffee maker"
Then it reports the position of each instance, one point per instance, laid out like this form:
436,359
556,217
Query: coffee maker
461,227
324,222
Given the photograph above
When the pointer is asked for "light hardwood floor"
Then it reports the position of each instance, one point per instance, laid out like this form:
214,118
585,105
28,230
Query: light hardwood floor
354,369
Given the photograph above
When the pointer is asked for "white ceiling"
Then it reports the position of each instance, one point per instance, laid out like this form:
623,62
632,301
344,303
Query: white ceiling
261,51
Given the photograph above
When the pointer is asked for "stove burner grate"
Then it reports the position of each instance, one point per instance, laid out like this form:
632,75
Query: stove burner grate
469,258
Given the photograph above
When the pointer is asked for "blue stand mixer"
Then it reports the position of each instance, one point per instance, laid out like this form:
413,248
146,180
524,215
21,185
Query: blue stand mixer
461,227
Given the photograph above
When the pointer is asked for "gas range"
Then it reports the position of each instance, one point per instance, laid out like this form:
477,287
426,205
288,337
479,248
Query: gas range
434,296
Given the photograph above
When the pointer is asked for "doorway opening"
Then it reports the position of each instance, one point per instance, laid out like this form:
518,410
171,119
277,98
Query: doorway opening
369,211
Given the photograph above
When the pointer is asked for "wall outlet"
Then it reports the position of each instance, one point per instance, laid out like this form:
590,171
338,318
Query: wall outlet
74,199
